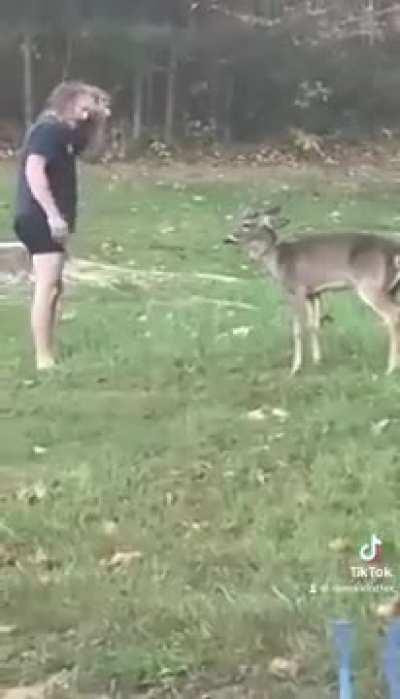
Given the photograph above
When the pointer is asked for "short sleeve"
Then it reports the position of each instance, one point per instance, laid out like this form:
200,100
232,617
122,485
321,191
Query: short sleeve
46,140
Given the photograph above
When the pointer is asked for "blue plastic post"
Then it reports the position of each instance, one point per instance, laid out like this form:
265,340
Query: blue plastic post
391,657
343,636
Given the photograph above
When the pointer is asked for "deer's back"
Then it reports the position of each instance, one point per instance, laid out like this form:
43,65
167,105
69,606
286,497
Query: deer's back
337,260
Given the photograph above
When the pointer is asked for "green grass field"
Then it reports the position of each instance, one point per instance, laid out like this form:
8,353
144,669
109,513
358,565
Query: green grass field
143,443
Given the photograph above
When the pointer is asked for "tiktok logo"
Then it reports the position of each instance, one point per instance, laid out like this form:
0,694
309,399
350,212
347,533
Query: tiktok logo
371,552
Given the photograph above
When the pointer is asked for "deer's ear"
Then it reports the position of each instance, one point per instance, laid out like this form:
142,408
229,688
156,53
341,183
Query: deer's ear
274,211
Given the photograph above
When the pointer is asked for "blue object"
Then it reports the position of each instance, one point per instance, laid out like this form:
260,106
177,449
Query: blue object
343,637
391,656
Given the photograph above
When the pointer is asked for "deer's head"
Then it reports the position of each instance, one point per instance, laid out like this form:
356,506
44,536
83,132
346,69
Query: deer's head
256,231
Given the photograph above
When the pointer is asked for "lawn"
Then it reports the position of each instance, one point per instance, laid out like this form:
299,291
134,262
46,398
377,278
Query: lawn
170,497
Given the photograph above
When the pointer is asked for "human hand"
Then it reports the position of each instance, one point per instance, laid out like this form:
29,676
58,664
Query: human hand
58,227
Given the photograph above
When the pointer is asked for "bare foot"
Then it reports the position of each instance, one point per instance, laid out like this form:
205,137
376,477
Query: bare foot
45,363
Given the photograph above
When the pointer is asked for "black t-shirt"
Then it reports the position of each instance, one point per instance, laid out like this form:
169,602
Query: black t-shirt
56,142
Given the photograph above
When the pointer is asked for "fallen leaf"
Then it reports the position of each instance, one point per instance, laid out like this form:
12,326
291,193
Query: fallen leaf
302,499
262,477
284,668
256,415
41,559
378,427
340,545
68,316
109,527
242,331
388,610
39,450
41,690
121,559
32,494
281,414
169,499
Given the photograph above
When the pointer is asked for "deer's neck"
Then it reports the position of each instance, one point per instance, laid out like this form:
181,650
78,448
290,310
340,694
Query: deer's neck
270,262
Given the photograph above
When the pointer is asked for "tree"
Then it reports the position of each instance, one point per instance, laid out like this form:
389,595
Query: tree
25,20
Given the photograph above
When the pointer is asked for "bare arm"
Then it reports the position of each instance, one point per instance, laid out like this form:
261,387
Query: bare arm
38,183
35,171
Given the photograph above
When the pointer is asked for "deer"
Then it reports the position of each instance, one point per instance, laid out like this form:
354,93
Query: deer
310,265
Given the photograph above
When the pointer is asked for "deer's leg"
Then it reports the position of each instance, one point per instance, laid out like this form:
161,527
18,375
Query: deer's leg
325,317
299,324
313,306
298,346
389,311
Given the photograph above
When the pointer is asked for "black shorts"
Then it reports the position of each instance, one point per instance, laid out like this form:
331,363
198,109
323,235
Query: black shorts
34,232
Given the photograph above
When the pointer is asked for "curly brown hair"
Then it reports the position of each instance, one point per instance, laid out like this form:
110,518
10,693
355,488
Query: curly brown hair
65,94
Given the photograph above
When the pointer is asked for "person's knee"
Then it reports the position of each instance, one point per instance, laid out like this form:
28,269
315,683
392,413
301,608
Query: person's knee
59,287
50,288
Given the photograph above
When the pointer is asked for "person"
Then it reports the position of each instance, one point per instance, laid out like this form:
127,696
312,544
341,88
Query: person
72,123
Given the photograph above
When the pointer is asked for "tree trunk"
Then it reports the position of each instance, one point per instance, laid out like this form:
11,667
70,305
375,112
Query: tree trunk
138,104
370,21
149,95
171,96
229,82
27,55
69,42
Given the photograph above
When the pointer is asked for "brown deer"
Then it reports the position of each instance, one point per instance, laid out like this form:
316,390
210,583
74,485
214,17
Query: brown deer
307,267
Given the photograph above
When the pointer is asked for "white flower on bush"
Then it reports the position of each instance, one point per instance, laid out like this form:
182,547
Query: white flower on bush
309,93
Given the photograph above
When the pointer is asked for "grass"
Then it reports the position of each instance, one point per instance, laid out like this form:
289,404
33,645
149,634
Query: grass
143,443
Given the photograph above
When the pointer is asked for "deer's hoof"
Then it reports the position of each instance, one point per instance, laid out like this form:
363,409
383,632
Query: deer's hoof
294,371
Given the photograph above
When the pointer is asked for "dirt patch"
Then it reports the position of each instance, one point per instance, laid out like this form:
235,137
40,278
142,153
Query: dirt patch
15,276
14,263
99,274
57,688
253,163
15,268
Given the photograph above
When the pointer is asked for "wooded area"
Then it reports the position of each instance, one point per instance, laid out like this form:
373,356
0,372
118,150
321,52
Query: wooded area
205,70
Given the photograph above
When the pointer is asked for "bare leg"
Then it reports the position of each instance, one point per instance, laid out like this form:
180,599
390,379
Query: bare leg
48,276
314,321
57,314
390,313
